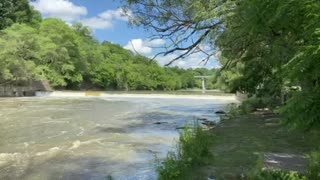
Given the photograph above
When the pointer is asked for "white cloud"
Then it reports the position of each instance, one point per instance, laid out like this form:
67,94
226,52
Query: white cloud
155,42
105,20
97,23
70,13
193,61
63,9
144,47
117,14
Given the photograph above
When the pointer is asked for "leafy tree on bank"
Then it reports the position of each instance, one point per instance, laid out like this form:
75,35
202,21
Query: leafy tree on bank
266,47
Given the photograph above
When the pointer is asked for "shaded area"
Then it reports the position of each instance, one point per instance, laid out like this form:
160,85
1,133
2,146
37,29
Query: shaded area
242,143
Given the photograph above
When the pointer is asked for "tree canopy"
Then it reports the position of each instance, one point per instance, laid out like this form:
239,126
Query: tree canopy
266,47
69,57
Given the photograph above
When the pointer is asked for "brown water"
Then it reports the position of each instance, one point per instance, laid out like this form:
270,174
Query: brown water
91,138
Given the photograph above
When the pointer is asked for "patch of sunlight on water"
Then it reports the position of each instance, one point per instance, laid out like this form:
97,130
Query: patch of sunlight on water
91,138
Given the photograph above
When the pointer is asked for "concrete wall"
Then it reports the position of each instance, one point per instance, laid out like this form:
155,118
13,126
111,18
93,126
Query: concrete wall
13,91
21,91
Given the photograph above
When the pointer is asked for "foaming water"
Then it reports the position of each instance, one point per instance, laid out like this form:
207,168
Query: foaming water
91,138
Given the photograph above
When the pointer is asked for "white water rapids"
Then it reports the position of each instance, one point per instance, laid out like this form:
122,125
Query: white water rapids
92,138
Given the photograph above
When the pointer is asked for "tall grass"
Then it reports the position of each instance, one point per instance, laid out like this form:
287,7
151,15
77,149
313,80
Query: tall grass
192,150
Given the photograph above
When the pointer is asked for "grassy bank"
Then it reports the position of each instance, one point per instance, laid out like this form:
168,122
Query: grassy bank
191,151
235,149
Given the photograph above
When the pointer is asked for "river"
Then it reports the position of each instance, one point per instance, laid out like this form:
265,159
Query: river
92,138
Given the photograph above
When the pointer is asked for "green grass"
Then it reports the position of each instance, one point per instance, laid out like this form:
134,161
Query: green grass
240,142
235,147
192,151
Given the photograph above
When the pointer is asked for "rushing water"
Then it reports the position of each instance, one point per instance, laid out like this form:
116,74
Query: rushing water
91,138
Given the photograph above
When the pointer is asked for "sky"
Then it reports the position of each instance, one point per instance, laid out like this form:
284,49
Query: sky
110,23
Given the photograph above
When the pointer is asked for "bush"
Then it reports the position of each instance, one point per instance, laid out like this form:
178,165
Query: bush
250,105
192,149
233,110
314,166
278,175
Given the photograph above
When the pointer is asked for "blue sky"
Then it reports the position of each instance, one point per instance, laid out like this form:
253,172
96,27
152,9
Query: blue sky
109,22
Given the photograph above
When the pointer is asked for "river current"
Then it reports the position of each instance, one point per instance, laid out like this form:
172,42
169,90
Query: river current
92,138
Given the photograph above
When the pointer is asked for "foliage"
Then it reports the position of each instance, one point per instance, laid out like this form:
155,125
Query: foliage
265,47
17,11
191,150
277,175
314,166
18,54
71,58
252,103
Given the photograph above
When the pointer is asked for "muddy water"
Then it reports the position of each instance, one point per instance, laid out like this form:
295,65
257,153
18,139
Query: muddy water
91,138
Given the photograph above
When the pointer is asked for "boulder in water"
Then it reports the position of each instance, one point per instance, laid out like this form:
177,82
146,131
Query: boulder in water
202,119
209,123
159,123
220,112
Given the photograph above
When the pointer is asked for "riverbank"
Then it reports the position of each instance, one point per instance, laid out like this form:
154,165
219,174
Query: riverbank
244,144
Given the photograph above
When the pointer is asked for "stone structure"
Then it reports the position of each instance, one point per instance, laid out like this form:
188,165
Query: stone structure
10,90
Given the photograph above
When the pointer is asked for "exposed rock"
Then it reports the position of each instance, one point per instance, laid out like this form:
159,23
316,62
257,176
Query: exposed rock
286,162
207,128
272,124
209,123
220,112
159,123
202,119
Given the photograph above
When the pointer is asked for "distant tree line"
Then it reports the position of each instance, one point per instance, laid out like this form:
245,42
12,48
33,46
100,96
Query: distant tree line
69,57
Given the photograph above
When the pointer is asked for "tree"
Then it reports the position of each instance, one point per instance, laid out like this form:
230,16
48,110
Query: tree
18,53
265,47
17,11
182,21
61,57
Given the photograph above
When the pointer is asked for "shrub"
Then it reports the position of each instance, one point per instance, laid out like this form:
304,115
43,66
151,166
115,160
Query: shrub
278,175
192,149
314,166
250,105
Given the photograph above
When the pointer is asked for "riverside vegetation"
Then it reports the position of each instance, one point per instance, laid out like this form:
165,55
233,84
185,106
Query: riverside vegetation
69,57
236,147
269,50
